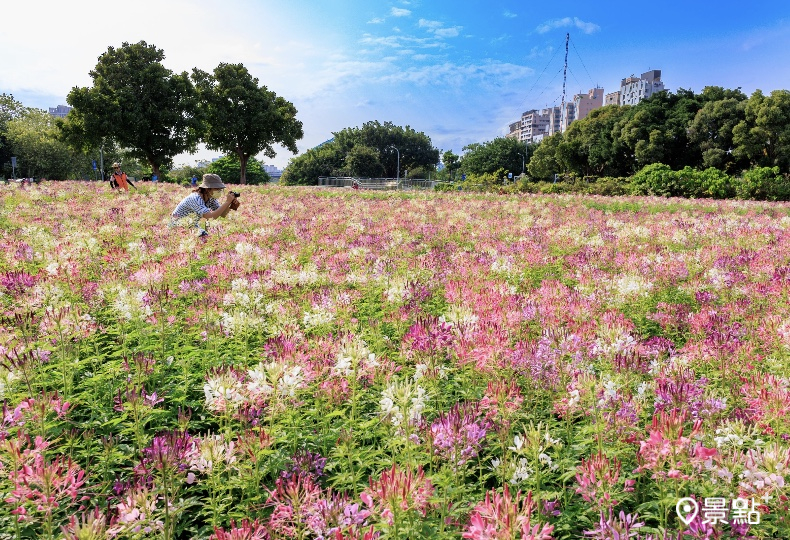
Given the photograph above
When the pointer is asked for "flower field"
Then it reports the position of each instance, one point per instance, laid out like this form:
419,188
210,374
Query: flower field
354,365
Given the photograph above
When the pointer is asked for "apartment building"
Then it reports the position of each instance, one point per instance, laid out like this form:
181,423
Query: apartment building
613,98
514,130
60,111
633,89
585,103
535,124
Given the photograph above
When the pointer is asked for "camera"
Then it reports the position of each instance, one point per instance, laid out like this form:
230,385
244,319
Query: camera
236,194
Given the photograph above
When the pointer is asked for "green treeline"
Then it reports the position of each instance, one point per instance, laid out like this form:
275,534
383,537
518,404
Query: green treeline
717,128
718,143
374,150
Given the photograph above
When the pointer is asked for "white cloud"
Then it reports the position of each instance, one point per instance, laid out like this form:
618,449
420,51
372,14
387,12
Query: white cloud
400,12
487,74
448,32
568,22
399,41
437,28
377,20
537,52
431,25
509,15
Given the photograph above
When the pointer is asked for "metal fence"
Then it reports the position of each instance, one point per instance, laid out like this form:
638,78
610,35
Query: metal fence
391,184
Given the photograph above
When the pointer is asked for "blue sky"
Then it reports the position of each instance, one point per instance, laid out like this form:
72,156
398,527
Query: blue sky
458,71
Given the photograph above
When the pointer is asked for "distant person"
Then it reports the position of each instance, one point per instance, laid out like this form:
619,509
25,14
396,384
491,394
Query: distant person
154,178
194,181
118,178
203,203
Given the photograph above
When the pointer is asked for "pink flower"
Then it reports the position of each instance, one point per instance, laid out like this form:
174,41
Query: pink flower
502,517
398,491
247,530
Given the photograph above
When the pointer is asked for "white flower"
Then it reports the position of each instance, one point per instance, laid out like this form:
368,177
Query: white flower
546,460
632,285
551,440
396,291
222,389
522,472
610,390
291,380
343,366
574,399
319,316
518,444
402,401
259,384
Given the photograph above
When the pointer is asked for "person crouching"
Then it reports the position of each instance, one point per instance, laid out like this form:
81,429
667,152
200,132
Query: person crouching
203,203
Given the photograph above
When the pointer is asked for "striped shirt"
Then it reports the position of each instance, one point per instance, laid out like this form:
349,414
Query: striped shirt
193,206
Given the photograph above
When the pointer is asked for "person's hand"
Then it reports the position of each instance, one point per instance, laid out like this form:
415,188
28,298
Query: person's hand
230,197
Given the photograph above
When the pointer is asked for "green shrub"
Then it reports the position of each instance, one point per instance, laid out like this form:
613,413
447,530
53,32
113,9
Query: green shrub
710,183
656,179
610,186
763,184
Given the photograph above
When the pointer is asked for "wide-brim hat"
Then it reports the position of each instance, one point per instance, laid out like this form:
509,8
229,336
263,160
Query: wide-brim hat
212,181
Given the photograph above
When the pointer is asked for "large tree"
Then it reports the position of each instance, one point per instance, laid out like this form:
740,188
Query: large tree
323,160
33,137
488,157
590,147
229,169
415,148
9,109
242,118
544,164
138,103
364,162
451,163
713,125
763,136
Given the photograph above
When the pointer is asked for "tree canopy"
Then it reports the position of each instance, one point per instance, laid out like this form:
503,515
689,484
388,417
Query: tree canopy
415,147
33,137
488,157
763,136
243,118
716,128
229,169
138,103
365,151
9,109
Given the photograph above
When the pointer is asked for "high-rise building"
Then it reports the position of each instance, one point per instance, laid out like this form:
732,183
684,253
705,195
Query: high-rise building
60,111
633,89
535,124
568,116
514,130
555,120
585,103
612,98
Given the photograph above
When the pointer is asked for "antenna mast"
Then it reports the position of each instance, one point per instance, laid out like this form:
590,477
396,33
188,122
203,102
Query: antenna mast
564,77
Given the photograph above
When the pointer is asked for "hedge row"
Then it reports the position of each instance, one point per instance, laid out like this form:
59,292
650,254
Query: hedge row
761,183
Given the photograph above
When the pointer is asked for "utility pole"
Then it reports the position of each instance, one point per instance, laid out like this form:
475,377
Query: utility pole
564,78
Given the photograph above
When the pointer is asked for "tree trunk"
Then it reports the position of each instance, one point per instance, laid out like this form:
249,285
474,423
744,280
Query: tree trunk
243,158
